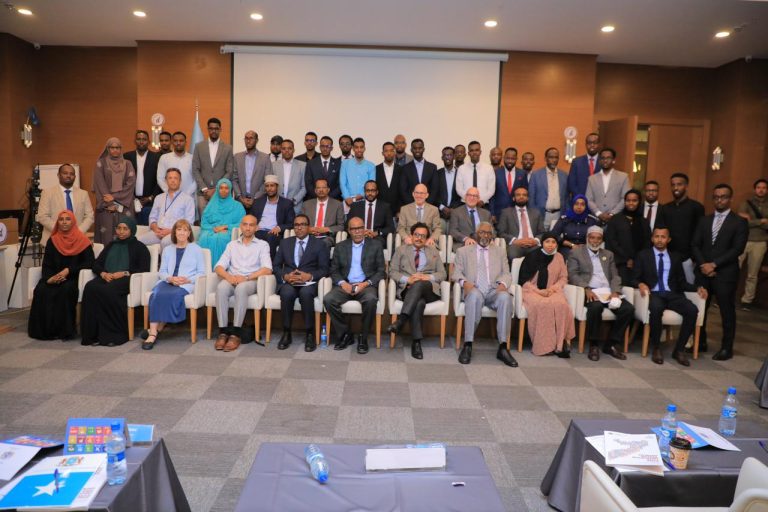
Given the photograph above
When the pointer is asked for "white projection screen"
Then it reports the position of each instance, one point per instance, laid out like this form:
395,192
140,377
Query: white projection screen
443,101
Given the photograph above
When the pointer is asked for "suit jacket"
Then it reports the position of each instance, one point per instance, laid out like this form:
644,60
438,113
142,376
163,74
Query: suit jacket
730,243
449,198
372,262
538,191
52,203
285,211
314,172
465,266
389,193
261,168
578,176
296,189
431,217
382,217
618,238
509,227
461,224
645,271
410,179
304,158
611,200
333,216
315,259
502,198
206,175
580,268
403,266
151,187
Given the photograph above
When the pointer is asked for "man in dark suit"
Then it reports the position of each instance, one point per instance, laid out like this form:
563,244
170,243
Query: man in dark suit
356,269
520,226
418,171
274,214
310,142
584,166
323,167
719,240
659,272
388,177
145,162
466,218
508,178
251,166
376,214
447,197
300,260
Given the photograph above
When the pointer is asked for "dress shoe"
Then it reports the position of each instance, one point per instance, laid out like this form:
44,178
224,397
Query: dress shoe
657,357
504,356
362,344
221,341
466,353
309,343
233,343
416,351
594,353
343,342
681,358
285,340
565,353
395,327
614,352
723,355
703,348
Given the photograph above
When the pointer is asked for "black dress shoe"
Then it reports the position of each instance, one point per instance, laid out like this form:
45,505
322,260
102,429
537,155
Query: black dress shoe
504,356
594,353
416,351
309,343
723,355
395,327
657,357
285,340
681,358
614,352
344,342
466,354
362,344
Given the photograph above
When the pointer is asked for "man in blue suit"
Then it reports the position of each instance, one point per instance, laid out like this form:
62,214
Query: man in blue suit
508,178
301,261
274,213
547,179
584,166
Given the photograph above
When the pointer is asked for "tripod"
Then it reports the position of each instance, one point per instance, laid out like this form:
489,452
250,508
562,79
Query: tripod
32,229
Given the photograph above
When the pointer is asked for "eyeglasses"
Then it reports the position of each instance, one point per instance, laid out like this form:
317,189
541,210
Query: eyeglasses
489,233
310,140
359,228
419,235
300,224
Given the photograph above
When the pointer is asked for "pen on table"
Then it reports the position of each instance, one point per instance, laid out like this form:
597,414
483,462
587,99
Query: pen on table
669,465
763,446
56,479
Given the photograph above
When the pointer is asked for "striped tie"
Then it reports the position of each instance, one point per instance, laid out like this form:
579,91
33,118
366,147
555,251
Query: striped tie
719,218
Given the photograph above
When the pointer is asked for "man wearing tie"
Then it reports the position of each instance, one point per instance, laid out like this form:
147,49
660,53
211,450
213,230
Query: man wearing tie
520,225
251,166
419,211
301,261
376,214
476,174
717,244
584,166
466,218
64,197
651,203
325,167
508,178
326,215
418,171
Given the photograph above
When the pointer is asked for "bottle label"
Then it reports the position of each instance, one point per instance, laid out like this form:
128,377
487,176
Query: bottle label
114,458
729,412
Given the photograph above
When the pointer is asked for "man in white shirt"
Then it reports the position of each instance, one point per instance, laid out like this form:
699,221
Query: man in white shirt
167,209
651,202
212,160
177,159
243,262
66,196
476,174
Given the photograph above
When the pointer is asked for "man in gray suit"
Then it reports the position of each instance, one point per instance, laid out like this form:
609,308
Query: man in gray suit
418,271
606,189
251,166
419,211
520,226
326,214
290,172
212,160
466,218
482,270
593,268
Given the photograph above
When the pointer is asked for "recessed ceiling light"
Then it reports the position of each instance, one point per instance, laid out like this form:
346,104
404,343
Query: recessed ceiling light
140,14
491,23
25,12
722,34
256,16
608,28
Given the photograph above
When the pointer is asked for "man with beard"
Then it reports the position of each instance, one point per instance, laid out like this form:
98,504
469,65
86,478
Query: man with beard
447,198
476,174
606,189
459,155
275,148
145,162
401,157
325,214
584,166
418,170
310,143
495,156
345,145
528,161
755,211
251,166
65,196
547,189
520,226
212,160
508,179
388,178
326,168
355,172
681,216
651,203
376,214
179,159
274,214
165,142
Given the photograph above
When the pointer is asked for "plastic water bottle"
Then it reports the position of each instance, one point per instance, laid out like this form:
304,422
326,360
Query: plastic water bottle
323,338
668,430
117,467
727,425
317,463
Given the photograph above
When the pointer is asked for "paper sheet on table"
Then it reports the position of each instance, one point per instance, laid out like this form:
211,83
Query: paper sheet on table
13,457
598,442
402,459
712,438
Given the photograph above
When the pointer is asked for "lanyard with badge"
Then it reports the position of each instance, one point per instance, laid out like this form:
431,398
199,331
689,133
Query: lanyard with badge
168,206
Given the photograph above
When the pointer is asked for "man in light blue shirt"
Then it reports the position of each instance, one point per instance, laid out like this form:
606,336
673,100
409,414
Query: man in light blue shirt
168,207
355,172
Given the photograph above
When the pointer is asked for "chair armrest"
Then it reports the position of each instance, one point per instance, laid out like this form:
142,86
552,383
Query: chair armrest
148,281
520,311
134,293
211,282
629,293
443,245
270,285
390,242
641,306
445,296
33,277
392,294
601,494
456,296
398,240
575,297
382,297
199,292
85,275
499,242
699,303
324,288
753,474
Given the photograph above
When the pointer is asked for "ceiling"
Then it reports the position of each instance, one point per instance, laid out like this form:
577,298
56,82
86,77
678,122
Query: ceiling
660,32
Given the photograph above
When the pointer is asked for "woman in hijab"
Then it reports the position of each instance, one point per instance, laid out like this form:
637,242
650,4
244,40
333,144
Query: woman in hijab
626,234
221,216
54,303
543,275
104,311
571,228
114,181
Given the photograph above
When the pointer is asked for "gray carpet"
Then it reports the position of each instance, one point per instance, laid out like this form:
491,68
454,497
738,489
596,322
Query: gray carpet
215,409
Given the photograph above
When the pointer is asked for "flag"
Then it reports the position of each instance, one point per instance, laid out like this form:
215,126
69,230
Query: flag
197,133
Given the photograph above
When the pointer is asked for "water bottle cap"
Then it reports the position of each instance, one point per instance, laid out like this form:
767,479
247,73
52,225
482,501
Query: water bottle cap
671,408
731,390
322,477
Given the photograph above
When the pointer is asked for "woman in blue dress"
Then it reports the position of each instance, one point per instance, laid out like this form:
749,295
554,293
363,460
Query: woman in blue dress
221,216
181,266
571,228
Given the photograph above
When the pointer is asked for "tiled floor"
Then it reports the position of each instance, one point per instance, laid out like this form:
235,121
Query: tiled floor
214,409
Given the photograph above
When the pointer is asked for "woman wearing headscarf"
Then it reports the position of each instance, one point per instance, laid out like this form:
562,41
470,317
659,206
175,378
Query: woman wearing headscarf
114,181
571,228
221,216
104,311
626,234
543,275
54,303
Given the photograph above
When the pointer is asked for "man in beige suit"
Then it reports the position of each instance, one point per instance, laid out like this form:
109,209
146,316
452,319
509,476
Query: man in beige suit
418,271
482,270
64,197
212,160
419,211
326,214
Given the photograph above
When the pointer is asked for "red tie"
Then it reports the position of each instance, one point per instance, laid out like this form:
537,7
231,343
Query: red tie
320,216
591,166
509,181
416,260
369,221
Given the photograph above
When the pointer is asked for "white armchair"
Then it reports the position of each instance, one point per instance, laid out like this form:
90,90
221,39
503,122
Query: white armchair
459,312
668,318
352,307
255,302
520,311
577,301
36,273
272,302
436,308
442,246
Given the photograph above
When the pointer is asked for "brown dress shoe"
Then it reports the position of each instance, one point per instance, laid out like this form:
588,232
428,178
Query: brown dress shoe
681,358
614,352
656,357
221,341
232,343
594,353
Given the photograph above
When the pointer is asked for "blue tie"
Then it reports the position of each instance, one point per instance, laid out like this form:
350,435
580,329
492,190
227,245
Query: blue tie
661,273
69,201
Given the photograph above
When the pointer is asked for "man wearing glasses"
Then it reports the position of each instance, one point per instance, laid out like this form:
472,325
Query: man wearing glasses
310,143
323,167
212,160
326,215
466,218
376,214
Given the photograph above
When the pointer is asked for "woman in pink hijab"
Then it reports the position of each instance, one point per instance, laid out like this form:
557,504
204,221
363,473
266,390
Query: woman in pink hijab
114,182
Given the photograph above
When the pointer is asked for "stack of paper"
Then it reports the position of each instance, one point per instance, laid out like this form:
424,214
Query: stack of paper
630,452
701,436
